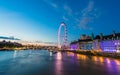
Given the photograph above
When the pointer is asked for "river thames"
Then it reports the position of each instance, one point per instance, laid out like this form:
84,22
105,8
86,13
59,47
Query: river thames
42,62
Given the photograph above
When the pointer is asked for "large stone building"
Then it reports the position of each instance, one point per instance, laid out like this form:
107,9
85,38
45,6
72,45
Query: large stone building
84,43
107,43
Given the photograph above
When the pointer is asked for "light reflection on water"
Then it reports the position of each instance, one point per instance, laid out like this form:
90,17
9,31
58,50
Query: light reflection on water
58,64
99,59
41,62
107,64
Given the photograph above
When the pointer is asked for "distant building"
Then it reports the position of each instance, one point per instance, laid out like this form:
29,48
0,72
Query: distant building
84,37
84,43
74,45
106,43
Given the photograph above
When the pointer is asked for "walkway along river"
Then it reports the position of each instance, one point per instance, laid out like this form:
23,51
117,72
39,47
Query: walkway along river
42,62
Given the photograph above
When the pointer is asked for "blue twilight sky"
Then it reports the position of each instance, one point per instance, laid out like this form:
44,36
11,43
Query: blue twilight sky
40,19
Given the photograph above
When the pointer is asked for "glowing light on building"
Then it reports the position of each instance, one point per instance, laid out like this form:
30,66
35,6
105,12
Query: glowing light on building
74,46
110,45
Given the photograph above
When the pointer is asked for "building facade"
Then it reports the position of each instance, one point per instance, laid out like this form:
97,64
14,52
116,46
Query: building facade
107,43
84,43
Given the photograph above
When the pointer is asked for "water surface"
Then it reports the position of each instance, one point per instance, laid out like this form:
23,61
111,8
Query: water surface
41,62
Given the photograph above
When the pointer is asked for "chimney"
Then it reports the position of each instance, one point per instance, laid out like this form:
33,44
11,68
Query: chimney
114,33
92,36
101,36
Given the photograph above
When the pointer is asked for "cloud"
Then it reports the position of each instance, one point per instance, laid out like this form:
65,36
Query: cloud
88,15
83,23
61,8
54,5
8,38
51,3
88,9
67,9
65,18
82,18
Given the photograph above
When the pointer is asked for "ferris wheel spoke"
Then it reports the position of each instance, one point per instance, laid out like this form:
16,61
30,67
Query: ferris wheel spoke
64,36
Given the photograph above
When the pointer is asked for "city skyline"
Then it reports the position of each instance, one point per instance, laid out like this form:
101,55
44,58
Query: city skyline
40,19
